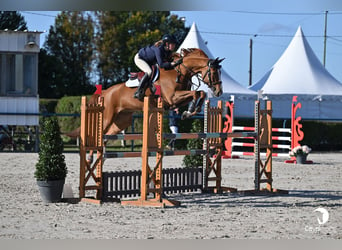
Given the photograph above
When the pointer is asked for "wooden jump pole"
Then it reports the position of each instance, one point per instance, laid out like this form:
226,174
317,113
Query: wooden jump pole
152,142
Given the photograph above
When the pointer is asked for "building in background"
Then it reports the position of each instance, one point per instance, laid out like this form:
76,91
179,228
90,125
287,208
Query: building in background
19,99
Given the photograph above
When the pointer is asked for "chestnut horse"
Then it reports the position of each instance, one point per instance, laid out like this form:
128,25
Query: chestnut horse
120,105
175,86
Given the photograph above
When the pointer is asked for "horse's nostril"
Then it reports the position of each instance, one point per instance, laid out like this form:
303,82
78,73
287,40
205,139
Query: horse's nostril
219,93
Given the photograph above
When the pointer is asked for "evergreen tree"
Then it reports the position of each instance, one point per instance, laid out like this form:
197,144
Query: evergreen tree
50,75
12,20
70,42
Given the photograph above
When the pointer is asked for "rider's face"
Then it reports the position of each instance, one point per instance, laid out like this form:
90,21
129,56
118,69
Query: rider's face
171,46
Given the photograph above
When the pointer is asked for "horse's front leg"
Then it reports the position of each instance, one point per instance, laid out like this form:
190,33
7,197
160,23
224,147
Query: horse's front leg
196,99
195,105
202,96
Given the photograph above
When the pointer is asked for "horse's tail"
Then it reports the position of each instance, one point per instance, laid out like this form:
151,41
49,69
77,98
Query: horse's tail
94,99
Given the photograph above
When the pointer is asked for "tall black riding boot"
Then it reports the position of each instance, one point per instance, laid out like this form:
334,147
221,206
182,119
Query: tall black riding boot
140,93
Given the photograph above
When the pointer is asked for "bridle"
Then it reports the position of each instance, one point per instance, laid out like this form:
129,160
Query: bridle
211,64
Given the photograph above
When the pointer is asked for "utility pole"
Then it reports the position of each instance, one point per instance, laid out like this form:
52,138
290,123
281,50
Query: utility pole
325,37
250,60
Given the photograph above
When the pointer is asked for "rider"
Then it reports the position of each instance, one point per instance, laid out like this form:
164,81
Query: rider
160,53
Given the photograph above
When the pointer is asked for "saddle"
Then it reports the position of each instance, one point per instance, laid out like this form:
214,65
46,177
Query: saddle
138,75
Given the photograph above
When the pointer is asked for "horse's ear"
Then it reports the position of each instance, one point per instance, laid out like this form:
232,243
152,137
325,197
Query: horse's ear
182,52
176,55
218,60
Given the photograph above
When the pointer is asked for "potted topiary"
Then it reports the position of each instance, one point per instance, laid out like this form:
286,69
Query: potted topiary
51,169
301,153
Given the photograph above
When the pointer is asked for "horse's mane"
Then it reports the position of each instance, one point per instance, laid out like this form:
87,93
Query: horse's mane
190,52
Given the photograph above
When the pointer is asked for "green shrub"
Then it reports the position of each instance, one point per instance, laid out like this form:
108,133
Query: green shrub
51,162
194,160
69,105
47,105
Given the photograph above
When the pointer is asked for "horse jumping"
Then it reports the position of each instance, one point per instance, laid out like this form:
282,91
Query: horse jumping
175,88
120,105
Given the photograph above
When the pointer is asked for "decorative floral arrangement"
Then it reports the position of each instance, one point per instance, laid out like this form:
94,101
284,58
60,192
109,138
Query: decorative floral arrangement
300,150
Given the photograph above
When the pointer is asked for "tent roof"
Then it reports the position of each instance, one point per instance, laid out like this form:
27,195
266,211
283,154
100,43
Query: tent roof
195,40
298,71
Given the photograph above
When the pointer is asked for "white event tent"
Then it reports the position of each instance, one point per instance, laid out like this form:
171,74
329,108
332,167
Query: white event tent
243,97
298,72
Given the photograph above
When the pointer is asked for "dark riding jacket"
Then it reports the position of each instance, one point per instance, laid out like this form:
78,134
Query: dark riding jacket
152,55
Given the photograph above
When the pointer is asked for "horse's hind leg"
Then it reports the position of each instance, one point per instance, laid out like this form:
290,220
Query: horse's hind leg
120,123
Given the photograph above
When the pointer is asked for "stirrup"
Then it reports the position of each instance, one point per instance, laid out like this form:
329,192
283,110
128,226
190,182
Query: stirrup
139,95
153,89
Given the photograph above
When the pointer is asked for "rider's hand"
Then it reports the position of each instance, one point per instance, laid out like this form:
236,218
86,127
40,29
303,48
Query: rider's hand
176,63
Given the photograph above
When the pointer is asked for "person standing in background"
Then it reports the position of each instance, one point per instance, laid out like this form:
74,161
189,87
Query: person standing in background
173,124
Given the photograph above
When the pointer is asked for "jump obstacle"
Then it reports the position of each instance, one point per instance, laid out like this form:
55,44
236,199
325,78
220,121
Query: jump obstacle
151,182
294,135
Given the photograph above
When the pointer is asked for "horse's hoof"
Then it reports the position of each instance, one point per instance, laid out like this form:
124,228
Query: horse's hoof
185,115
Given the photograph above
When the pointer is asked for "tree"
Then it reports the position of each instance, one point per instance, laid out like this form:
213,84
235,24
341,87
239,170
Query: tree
50,76
121,34
70,42
12,20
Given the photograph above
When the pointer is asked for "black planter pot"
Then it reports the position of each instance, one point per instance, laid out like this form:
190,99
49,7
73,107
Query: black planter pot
51,191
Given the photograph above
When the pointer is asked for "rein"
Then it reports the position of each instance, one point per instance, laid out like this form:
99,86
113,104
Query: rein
201,79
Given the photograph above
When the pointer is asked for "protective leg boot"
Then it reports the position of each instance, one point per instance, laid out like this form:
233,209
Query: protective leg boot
191,107
140,93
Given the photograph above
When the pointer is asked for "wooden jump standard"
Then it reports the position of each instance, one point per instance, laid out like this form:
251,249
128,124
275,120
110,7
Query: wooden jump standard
92,139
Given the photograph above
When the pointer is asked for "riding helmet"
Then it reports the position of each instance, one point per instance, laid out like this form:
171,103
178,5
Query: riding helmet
169,38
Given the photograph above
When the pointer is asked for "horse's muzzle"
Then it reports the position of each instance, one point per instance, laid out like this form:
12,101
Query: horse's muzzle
217,91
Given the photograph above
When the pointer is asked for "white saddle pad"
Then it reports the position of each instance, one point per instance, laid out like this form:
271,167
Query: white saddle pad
132,83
